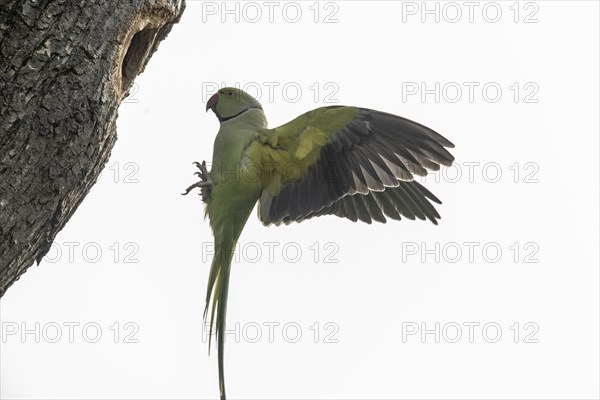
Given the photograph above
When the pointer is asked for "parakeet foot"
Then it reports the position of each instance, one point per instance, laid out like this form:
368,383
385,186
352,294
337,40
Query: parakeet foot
205,184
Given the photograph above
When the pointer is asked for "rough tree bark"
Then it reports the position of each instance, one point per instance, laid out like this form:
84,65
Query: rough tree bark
65,66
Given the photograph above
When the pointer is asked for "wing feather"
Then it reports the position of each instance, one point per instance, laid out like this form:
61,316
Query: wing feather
354,163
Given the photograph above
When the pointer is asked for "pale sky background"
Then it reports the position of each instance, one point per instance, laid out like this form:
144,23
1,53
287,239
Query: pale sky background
523,197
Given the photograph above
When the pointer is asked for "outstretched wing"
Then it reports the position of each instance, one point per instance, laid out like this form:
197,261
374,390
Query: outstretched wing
351,162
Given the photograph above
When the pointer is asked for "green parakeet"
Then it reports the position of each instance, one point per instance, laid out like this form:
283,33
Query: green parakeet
350,162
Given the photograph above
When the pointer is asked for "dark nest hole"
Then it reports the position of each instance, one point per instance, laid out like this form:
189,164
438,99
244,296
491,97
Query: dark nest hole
139,48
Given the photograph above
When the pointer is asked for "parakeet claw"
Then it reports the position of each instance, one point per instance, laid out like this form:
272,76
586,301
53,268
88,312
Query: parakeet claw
199,185
205,184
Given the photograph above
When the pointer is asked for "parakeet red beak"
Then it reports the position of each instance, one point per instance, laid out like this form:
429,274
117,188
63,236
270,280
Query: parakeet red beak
212,102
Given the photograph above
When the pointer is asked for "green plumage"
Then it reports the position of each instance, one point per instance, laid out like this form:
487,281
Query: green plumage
351,162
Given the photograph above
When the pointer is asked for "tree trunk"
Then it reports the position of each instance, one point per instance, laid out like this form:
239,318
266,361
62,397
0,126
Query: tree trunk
65,66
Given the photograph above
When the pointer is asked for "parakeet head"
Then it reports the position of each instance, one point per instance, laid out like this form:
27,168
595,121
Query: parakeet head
229,102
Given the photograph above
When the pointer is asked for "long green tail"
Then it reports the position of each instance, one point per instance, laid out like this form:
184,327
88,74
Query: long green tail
218,287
